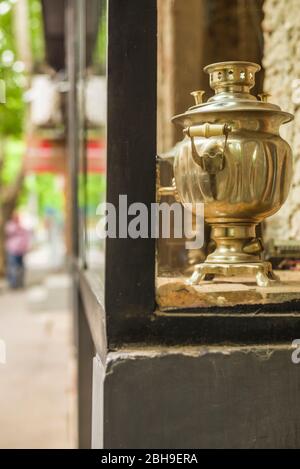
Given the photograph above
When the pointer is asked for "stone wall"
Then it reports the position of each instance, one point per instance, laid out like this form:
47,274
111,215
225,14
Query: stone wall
281,27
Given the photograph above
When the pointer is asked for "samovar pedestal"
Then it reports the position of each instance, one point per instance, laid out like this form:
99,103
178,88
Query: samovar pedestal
237,253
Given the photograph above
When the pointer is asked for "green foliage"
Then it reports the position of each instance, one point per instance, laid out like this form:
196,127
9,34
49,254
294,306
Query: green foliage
14,151
47,191
99,55
95,191
36,31
12,72
91,191
12,69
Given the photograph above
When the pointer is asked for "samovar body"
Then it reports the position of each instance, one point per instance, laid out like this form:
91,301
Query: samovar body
234,161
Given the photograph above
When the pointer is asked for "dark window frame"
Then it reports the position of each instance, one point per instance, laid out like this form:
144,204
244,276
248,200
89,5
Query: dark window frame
123,310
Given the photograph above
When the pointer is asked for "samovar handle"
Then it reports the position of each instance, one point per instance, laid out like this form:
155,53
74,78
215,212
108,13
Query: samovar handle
212,158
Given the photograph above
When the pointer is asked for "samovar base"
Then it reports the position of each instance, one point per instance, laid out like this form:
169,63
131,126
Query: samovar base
262,271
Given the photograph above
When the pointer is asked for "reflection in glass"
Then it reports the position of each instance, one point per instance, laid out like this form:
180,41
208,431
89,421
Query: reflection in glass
95,130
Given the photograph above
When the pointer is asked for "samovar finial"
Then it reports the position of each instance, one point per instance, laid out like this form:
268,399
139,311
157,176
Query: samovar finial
238,77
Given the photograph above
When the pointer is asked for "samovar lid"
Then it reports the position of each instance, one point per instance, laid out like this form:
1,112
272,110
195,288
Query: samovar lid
232,82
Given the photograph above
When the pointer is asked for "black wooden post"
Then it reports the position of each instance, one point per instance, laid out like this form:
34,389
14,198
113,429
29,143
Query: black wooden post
131,151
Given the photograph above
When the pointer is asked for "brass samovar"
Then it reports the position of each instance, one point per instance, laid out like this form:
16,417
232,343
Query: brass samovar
233,160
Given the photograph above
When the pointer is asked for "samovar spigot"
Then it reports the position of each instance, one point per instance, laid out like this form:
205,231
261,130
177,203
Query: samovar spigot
210,156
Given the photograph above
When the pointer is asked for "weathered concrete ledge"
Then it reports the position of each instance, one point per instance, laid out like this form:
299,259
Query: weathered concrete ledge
174,293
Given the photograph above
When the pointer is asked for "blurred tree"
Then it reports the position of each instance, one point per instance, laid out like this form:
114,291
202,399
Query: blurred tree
11,117
21,47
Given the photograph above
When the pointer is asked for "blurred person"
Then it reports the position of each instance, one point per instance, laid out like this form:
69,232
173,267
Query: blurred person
16,246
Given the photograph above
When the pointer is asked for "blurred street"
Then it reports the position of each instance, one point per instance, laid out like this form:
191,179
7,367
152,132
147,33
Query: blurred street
37,383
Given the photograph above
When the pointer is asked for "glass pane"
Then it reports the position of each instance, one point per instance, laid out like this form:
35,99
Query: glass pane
91,91
95,122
